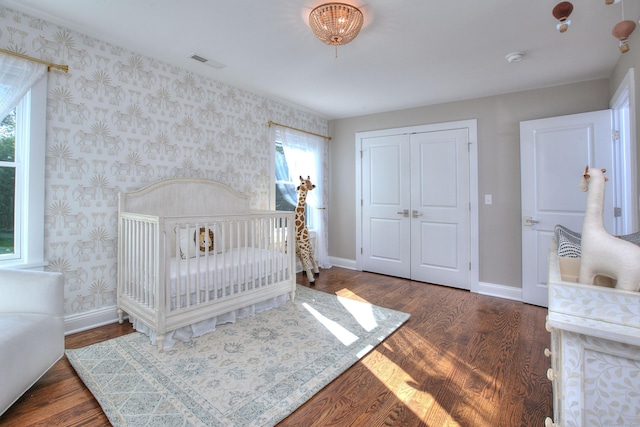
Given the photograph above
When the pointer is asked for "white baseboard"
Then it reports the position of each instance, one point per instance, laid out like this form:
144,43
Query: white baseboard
490,289
89,320
343,262
500,291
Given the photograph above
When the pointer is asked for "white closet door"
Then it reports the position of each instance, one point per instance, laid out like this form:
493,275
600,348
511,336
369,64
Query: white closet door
440,249
415,206
385,198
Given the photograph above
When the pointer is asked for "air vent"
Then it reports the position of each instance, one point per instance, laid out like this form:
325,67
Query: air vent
210,63
199,58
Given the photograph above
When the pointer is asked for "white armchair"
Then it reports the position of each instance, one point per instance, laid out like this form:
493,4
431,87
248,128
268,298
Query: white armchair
31,329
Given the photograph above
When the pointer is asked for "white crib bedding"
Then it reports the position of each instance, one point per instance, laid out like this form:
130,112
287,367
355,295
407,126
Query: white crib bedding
220,274
206,326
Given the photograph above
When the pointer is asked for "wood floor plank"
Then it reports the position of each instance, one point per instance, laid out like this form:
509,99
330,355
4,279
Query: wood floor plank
462,359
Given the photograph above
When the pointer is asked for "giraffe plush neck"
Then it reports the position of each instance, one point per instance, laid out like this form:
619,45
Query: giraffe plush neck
301,208
601,253
304,250
595,198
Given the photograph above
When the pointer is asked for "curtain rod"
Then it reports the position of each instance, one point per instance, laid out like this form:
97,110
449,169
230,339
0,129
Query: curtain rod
272,123
49,65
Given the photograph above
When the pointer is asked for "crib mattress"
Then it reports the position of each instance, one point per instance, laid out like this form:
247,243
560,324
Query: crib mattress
226,273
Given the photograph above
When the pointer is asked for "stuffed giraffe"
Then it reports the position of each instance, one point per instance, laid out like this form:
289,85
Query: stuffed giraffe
304,250
602,253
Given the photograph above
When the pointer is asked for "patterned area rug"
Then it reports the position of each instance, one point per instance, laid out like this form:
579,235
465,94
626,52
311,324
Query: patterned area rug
251,373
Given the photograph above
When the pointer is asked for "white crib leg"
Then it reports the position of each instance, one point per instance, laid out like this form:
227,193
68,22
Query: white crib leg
160,342
120,316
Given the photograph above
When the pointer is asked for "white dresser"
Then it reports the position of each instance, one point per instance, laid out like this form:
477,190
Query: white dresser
595,351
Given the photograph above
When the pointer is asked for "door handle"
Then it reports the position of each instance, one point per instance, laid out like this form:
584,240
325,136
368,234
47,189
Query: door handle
530,221
404,213
415,214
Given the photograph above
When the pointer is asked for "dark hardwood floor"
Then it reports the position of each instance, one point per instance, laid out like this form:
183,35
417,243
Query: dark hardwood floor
462,359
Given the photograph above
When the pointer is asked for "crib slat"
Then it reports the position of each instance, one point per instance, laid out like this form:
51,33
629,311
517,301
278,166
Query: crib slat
208,243
150,267
193,299
253,256
245,278
136,260
236,278
214,296
146,262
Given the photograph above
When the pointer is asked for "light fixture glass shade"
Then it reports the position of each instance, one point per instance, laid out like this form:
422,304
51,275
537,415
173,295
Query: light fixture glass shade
336,23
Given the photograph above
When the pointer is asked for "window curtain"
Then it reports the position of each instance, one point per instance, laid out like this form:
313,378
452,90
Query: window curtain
17,75
305,156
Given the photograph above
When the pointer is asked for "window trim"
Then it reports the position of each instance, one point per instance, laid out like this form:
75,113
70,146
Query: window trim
31,183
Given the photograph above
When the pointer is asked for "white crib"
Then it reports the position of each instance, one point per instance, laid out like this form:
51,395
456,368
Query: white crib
192,254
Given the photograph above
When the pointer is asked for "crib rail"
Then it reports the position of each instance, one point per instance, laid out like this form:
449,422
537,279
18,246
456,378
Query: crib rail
177,264
139,259
218,258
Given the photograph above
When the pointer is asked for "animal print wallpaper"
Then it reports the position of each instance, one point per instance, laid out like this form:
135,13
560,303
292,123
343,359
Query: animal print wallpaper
119,120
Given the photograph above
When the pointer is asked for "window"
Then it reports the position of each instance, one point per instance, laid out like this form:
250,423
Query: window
9,233
22,154
284,186
299,153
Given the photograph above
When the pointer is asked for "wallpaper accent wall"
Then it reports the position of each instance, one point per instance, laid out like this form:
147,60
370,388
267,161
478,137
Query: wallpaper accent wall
119,120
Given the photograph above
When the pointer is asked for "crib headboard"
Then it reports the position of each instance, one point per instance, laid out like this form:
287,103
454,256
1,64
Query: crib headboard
182,197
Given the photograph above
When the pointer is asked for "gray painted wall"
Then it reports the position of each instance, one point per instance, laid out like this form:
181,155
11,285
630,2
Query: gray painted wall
498,165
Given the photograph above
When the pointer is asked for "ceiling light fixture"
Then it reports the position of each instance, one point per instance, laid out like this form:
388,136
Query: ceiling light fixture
336,24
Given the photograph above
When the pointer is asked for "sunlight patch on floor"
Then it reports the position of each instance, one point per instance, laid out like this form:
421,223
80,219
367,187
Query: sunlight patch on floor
401,384
346,293
346,337
473,384
359,308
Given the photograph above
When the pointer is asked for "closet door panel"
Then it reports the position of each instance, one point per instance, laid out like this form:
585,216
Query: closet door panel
440,250
385,199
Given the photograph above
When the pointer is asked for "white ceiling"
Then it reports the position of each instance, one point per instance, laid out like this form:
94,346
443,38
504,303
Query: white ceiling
409,53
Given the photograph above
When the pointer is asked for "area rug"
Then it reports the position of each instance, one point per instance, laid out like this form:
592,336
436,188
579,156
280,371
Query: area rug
254,372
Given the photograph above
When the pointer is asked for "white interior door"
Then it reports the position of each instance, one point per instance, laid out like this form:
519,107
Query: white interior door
415,206
386,200
440,247
553,156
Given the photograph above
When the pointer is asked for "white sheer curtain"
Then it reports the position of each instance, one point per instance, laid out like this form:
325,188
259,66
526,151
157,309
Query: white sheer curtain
17,75
305,156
